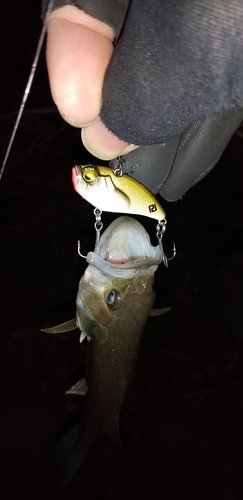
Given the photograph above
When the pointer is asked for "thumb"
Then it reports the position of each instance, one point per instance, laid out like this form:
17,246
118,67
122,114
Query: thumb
79,48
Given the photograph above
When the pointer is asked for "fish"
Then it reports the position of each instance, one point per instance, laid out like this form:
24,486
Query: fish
114,300
110,192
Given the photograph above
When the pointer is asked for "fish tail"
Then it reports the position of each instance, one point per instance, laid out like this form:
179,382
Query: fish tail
73,447
69,456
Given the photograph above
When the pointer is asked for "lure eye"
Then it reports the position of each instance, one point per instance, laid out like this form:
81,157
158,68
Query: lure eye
89,175
113,299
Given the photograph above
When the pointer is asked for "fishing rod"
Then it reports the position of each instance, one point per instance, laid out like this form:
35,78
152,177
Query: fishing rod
28,87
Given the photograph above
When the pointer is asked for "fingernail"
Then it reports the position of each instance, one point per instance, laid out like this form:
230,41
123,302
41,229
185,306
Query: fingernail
129,148
73,122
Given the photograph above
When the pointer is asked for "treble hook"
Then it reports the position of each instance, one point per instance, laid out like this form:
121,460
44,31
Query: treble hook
98,225
160,229
165,259
79,252
174,252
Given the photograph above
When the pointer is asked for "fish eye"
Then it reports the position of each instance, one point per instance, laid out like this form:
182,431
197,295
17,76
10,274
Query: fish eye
113,299
89,174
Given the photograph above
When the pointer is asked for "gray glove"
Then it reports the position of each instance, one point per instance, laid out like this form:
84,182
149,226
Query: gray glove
175,166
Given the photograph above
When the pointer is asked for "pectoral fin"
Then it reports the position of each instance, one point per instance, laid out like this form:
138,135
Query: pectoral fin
79,388
68,326
158,312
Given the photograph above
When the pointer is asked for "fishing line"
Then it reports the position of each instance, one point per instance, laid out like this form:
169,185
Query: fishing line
28,86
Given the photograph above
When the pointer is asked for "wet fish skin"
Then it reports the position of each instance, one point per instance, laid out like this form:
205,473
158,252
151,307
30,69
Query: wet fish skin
111,193
112,310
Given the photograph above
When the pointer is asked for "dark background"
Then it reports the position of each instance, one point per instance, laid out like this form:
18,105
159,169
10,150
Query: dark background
182,426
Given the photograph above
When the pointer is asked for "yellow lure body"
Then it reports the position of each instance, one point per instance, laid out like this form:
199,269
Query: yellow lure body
109,192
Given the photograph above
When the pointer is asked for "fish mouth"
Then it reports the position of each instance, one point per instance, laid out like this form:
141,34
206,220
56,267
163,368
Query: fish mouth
126,240
124,247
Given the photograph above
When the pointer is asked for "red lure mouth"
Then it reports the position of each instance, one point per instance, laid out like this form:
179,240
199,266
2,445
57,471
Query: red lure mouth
74,178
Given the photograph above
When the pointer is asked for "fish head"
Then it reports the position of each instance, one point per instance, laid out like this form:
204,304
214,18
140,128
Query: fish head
116,291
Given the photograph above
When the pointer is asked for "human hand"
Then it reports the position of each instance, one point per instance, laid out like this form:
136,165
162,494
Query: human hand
174,78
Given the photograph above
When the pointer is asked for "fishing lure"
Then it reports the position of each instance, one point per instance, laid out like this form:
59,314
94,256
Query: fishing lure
115,192
110,190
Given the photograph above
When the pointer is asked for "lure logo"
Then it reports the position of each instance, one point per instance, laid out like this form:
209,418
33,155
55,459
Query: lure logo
152,208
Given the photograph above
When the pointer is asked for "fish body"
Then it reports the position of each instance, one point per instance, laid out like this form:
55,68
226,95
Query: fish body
114,300
109,192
